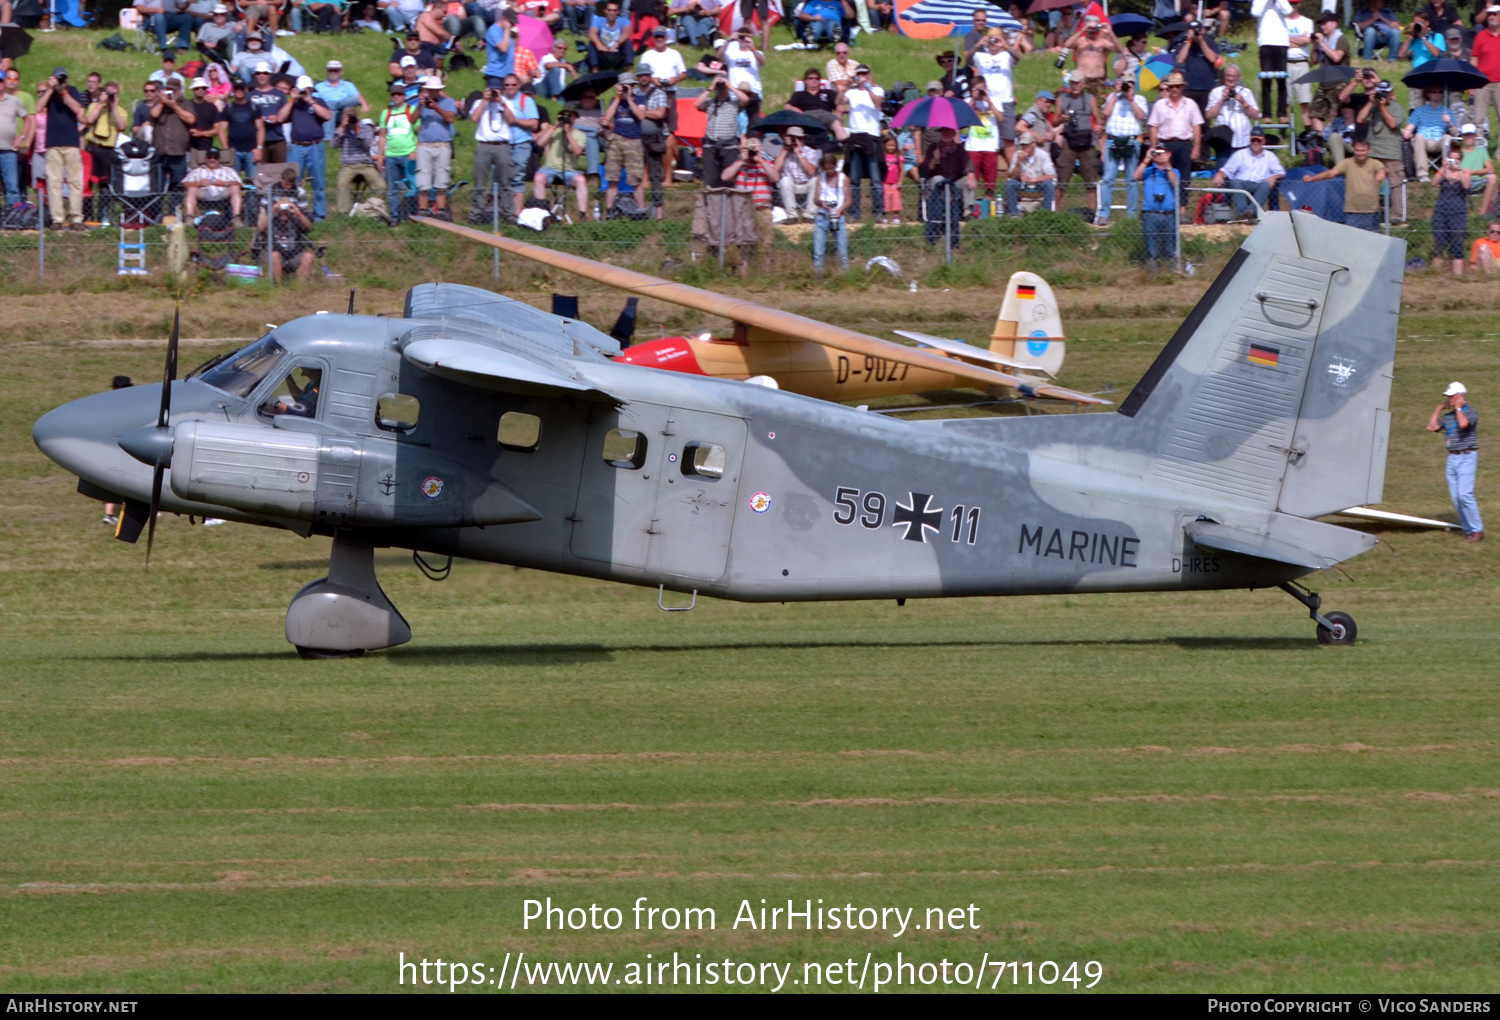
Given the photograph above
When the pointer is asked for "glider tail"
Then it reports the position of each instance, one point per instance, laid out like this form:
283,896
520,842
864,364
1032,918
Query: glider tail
1029,328
1275,391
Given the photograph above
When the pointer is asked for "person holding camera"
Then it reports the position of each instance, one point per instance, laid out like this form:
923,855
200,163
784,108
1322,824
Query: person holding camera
171,120
1420,44
743,61
63,106
1032,169
722,106
435,116
1384,117
757,173
1231,105
1078,116
492,173
797,171
696,20
563,146
861,101
832,189
288,228
1160,184
1450,214
995,63
1199,61
1329,49
105,121
1124,120
1091,48
355,141
305,112
1459,424
1274,37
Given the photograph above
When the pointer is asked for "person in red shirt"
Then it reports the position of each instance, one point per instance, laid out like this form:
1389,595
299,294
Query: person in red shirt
1486,57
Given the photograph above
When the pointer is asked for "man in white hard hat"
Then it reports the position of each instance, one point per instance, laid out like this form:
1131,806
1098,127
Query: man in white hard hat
1459,424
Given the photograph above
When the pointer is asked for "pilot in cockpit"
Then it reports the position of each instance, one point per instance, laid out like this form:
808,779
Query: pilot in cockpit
297,395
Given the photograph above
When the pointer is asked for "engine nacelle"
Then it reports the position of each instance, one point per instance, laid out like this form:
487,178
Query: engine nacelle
338,480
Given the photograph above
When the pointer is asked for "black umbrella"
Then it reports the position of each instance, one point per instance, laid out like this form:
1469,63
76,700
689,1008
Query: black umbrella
15,43
1175,28
1129,24
595,83
783,119
1447,74
1327,73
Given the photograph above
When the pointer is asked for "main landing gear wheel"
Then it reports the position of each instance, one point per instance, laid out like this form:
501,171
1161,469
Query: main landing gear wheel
1341,631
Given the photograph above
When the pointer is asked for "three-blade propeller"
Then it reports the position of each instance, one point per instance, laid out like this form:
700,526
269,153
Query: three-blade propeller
163,418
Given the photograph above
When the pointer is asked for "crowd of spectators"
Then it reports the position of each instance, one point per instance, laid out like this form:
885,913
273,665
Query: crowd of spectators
215,123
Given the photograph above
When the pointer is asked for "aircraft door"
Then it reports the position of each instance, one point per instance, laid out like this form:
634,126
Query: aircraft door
697,494
617,485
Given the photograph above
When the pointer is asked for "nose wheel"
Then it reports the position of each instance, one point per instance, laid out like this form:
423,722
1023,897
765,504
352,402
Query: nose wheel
1334,628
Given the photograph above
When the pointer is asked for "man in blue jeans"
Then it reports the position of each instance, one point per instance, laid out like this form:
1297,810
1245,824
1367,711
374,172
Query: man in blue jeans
13,124
1379,27
1459,424
306,113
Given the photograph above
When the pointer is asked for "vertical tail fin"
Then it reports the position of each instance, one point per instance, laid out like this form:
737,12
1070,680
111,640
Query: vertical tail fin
1029,328
1275,390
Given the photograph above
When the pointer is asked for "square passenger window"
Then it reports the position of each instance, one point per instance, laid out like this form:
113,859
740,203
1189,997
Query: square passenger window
705,460
397,412
624,448
519,431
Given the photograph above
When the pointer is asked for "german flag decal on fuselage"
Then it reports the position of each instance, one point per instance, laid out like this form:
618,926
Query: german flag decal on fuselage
1260,354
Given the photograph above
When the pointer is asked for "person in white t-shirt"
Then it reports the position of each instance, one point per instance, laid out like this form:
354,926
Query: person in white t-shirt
862,149
995,62
1231,105
743,61
1299,35
668,68
1274,38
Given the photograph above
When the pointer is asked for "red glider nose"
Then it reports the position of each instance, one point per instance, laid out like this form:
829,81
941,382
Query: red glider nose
674,353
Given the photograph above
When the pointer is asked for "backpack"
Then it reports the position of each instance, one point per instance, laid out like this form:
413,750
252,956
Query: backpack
215,227
625,208
114,42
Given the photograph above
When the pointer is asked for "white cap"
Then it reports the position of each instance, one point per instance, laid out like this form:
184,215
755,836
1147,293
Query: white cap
199,83
1468,129
220,9
334,65
1454,389
305,82
262,67
408,62
432,81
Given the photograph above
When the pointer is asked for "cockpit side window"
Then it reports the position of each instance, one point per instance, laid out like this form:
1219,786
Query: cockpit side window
297,395
243,370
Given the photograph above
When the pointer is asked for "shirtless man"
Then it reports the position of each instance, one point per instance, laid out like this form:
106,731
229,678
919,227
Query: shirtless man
1091,48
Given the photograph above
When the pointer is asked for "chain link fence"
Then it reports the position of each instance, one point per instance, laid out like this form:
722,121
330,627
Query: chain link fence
936,242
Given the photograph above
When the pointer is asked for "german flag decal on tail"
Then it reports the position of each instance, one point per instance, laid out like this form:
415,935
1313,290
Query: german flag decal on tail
1260,354
1026,293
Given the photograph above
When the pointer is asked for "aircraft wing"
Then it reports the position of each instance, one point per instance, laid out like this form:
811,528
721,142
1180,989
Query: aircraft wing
773,320
968,352
487,367
1365,513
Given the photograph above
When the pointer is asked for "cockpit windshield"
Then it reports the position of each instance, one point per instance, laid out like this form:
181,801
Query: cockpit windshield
244,369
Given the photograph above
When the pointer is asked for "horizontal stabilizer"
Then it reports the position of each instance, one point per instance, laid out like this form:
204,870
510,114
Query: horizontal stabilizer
1217,537
491,368
1365,513
968,352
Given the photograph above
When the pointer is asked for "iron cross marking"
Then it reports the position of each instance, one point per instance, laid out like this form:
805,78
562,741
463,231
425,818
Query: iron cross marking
917,513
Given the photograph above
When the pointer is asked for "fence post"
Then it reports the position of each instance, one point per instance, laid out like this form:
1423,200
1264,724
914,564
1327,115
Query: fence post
723,217
495,216
947,220
269,208
41,242
1178,191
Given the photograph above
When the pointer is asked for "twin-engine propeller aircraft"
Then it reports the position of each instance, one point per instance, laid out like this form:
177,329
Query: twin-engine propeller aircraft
815,359
478,426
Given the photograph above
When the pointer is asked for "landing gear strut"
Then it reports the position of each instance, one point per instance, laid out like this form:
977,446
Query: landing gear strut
1333,628
345,614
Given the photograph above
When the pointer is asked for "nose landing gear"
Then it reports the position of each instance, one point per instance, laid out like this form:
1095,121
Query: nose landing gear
1334,628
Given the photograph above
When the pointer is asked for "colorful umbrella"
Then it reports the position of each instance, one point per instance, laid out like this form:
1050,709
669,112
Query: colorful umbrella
1149,75
536,36
937,112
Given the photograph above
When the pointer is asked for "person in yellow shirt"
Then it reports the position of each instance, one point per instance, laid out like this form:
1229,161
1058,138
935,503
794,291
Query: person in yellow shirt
103,122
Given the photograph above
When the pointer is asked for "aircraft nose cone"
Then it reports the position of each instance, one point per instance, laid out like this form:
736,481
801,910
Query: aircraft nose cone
52,430
151,444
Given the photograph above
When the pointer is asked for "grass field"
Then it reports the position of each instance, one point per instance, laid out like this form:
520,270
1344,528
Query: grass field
1187,789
